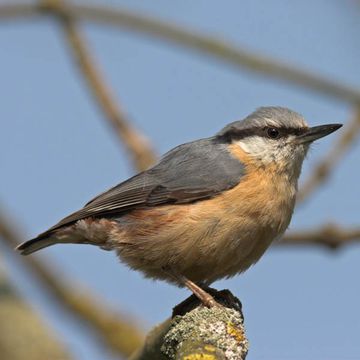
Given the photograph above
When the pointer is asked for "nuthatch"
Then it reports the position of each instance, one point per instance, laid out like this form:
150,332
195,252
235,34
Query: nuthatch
208,210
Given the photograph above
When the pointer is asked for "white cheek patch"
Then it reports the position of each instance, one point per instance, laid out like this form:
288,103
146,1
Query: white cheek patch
258,147
243,146
250,145
265,151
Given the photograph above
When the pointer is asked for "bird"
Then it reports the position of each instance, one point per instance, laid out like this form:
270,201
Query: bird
207,210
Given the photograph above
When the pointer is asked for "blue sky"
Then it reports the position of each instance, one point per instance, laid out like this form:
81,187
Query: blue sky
56,152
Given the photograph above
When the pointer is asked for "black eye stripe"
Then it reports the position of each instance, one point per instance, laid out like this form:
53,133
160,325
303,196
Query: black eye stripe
292,131
238,134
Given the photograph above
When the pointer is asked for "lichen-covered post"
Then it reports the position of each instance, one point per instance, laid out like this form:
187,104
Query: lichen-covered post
198,332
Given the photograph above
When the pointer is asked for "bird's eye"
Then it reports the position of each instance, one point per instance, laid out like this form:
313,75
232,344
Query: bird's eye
273,133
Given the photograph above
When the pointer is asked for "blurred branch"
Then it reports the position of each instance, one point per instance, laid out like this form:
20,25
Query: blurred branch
217,333
330,236
323,170
217,48
13,11
194,40
123,336
137,144
22,334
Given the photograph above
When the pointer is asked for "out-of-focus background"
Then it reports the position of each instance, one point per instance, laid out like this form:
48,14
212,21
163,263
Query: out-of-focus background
58,149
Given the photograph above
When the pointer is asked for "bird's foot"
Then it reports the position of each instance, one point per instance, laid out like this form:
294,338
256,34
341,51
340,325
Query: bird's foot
207,296
223,298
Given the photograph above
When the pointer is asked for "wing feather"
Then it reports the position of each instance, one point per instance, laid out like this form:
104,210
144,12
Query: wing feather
188,173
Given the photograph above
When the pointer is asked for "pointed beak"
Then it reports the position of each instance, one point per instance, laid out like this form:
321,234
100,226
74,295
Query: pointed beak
317,132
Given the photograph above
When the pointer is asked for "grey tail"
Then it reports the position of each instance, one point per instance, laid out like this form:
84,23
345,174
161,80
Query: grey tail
40,242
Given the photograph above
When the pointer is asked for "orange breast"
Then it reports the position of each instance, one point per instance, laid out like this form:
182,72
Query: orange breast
213,238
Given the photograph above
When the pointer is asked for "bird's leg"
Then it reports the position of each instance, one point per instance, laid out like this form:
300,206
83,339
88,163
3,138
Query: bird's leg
200,293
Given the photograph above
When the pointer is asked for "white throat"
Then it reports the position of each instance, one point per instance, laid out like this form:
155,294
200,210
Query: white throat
287,158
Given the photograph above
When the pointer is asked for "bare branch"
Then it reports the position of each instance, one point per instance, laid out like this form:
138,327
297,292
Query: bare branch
323,170
330,236
14,11
211,46
119,332
137,144
217,48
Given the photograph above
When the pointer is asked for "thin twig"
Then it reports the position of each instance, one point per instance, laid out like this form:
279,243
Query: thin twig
323,169
14,11
137,144
120,333
211,46
217,48
330,236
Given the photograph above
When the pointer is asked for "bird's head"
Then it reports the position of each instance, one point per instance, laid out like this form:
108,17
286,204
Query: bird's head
277,136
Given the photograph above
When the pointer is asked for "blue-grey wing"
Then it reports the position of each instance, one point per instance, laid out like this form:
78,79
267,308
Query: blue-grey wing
190,172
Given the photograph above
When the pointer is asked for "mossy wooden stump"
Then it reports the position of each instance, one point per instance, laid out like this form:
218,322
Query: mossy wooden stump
196,332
